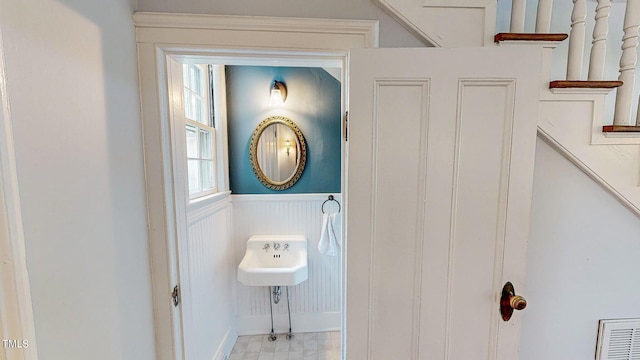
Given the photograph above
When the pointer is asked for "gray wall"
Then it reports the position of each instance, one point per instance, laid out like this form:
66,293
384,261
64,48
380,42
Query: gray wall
73,92
582,262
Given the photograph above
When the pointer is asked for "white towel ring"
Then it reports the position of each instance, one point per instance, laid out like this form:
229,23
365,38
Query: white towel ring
331,199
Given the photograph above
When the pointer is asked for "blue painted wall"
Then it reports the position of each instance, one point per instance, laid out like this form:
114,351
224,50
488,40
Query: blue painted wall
313,103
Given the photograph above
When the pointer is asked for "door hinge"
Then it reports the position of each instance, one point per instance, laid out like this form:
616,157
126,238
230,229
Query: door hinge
346,126
175,295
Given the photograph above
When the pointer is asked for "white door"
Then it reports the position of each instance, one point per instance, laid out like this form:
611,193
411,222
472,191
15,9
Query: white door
440,169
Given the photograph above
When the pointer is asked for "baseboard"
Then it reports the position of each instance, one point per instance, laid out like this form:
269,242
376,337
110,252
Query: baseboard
300,323
227,345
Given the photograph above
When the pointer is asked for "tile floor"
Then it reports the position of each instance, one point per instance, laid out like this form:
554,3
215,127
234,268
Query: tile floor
306,346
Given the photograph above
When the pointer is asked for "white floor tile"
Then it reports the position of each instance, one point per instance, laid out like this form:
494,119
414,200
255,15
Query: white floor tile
296,345
310,355
311,336
281,356
309,346
253,347
268,346
295,355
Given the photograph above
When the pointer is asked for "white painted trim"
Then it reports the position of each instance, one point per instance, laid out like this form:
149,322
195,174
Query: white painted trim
543,43
597,98
258,23
579,91
164,36
408,24
415,16
630,138
206,201
587,170
193,216
220,119
16,312
227,345
366,30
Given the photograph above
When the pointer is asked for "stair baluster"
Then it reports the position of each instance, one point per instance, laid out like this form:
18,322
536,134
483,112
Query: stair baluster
577,40
628,62
599,43
543,17
518,9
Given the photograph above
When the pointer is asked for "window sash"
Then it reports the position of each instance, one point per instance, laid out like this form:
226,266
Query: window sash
201,159
197,100
200,135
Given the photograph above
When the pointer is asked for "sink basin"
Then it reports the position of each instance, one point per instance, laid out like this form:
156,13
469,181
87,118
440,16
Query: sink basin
274,260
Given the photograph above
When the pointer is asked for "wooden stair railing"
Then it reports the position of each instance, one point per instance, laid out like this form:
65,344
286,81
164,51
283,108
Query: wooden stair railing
584,84
621,129
529,37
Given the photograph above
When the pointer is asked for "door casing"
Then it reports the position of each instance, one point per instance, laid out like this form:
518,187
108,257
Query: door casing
199,38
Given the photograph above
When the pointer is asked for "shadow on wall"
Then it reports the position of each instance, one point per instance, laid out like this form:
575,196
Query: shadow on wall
313,103
77,126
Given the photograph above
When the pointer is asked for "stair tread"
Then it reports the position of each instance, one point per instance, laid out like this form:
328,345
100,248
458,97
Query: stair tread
580,84
621,128
529,37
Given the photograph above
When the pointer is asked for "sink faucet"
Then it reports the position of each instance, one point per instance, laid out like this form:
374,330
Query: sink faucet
276,246
265,247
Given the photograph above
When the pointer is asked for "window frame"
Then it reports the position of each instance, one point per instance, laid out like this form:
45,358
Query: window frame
199,126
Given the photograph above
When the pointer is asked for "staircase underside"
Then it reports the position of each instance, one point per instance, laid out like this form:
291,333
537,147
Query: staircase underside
446,23
572,124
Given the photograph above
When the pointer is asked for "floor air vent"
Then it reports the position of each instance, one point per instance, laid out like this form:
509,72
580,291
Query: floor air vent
618,340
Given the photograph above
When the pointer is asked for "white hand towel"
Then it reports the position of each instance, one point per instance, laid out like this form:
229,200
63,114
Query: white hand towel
328,244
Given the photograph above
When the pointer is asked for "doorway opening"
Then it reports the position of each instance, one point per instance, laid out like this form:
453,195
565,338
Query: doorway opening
217,225
165,41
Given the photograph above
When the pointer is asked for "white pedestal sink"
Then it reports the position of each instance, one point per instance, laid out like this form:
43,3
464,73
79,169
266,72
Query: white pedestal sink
274,260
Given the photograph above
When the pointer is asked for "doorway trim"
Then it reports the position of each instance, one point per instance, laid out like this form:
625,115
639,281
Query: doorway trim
16,309
160,35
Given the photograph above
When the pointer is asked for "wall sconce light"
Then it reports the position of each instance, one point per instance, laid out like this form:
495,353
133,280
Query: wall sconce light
287,145
278,93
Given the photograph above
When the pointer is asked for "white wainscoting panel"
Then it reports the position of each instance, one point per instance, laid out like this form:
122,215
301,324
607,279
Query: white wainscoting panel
209,296
315,303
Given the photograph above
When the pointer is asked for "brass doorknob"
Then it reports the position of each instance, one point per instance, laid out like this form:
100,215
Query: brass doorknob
510,301
517,302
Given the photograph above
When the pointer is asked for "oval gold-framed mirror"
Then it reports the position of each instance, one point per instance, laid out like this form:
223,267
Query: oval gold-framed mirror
277,152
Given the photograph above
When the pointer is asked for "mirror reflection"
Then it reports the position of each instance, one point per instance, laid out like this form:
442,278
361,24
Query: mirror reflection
277,152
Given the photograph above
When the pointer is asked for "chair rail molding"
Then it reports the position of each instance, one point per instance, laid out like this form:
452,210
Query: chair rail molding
161,36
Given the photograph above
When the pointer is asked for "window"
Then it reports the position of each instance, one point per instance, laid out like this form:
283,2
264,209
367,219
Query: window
200,131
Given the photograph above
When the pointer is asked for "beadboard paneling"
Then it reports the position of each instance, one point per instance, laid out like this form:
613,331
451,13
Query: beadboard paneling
208,294
315,303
